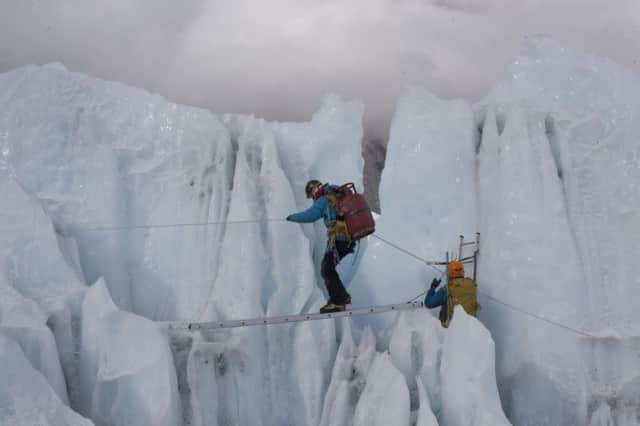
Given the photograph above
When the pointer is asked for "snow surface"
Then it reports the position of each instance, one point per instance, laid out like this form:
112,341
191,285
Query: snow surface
96,175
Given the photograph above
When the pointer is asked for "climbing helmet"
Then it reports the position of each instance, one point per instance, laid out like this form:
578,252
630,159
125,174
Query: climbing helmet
311,187
455,269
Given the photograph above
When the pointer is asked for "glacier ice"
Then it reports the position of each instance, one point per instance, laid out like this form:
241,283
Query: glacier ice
27,234
469,389
426,198
112,157
26,398
425,415
23,320
96,175
40,288
126,366
348,377
385,397
559,134
552,184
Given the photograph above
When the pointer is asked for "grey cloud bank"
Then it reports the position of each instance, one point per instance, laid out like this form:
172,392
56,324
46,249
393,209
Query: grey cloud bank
277,58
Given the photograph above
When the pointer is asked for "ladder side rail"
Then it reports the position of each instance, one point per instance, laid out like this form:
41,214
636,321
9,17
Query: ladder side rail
476,252
284,319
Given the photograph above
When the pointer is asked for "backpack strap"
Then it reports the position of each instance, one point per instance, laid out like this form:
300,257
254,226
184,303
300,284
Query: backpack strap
336,227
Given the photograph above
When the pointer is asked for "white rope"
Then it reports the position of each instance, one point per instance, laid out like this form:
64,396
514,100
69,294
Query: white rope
166,225
308,317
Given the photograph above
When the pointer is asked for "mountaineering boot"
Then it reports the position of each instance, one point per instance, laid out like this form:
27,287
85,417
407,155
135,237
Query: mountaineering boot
331,307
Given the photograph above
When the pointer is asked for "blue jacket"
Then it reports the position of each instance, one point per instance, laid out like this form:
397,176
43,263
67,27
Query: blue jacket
321,208
435,298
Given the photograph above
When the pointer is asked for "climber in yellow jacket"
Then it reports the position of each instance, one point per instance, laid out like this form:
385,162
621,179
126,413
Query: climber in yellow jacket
459,291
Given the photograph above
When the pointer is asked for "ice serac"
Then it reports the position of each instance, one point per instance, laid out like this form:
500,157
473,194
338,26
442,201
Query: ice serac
448,383
559,192
267,268
127,374
469,389
110,162
107,161
385,397
27,234
328,148
525,243
128,180
26,398
39,286
425,415
415,346
23,320
349,377
427,198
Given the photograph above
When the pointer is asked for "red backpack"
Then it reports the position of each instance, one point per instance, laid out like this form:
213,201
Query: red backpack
353,209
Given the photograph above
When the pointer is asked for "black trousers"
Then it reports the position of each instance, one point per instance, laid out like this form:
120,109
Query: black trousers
333,256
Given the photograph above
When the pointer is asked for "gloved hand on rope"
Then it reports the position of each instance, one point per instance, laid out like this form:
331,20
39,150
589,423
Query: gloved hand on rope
435,283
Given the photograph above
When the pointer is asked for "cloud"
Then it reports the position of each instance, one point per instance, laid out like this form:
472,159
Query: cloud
277,58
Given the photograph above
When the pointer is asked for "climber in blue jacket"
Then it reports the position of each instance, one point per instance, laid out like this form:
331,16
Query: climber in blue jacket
339,244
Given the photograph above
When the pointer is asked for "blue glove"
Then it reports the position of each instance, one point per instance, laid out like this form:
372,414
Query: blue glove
288,218
435,283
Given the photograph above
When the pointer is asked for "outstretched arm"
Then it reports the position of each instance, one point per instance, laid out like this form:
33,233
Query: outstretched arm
434,298
313,213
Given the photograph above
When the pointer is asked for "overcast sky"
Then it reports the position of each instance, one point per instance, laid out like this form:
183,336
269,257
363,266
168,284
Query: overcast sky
276,58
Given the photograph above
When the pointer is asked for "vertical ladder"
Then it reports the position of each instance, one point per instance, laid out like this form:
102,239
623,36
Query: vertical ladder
469,259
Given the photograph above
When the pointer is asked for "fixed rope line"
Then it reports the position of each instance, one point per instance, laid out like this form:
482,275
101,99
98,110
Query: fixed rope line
491,298
420,295
430,263
410,305
554,323
532,315
169,225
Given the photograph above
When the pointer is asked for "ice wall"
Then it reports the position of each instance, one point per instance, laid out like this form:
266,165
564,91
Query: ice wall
102,155
23,321
559,157
26,398
109,163
39,287
547,172
427,199
275,274
27,234
423,375
126,367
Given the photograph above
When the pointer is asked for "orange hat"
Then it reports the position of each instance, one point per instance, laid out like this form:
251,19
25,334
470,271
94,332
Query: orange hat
455,269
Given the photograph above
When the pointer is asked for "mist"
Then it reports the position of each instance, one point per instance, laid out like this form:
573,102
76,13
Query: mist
276,59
